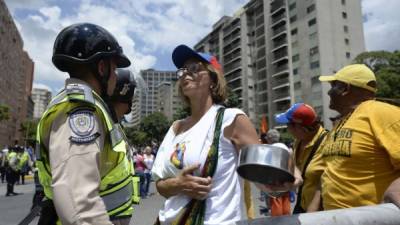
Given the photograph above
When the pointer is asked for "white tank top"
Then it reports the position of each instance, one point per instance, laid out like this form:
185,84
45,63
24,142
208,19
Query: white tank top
224,203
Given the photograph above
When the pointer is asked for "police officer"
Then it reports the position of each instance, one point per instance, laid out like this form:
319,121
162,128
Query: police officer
82,158
123,93
12,170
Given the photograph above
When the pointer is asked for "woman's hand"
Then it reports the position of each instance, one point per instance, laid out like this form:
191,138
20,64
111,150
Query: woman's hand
282,187
193,186
185,183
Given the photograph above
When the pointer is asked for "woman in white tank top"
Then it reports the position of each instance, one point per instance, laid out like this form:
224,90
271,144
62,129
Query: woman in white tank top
180,161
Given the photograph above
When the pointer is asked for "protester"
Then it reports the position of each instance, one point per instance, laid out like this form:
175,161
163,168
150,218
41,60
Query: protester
140,166
148,160
185,169
304,125
361,153
279,202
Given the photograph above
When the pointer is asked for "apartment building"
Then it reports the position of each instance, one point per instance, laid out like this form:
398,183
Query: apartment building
16,79
274,50
41,98
146,100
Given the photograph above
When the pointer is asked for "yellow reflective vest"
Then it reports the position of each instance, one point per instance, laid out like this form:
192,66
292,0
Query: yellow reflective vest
118,187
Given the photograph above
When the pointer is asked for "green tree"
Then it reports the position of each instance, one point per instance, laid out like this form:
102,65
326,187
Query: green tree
232,100
136,137
155,126
28,130
182,112
4,112
386,66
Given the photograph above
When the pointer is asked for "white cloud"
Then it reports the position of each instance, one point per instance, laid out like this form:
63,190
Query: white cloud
382,26
157,27
147,28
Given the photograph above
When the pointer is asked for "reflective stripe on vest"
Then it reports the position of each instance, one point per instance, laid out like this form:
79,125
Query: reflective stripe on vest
116,187
113,200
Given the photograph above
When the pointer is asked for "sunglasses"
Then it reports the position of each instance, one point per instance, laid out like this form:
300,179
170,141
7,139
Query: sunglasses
190,69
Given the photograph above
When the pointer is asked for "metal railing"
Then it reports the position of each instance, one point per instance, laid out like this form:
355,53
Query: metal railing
384,214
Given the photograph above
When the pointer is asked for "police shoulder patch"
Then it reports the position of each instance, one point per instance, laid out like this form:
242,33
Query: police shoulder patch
82,124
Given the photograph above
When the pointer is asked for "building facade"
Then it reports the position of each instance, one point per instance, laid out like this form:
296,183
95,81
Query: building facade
41,98
146,101
274,50
168,100
16,79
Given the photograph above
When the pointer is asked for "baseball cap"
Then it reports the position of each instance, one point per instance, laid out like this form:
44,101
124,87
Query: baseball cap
182,53
358,75
298,113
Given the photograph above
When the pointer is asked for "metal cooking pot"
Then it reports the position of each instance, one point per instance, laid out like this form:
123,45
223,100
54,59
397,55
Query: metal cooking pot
266,164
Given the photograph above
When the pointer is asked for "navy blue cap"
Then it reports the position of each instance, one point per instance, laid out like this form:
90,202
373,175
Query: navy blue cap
182,53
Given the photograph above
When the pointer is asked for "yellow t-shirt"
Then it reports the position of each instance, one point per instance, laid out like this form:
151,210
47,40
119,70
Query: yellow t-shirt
362,155
314,170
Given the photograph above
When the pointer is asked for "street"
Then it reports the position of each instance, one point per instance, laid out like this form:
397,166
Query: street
14,208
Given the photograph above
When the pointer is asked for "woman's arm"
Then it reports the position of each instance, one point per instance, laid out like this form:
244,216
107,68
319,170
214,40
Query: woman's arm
241,132
185,183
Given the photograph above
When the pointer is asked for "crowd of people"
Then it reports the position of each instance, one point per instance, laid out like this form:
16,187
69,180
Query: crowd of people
89,174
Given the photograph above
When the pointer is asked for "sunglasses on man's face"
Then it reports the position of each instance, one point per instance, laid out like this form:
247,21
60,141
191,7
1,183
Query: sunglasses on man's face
190,69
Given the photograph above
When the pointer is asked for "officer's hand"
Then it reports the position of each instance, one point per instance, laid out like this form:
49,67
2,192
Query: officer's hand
193,186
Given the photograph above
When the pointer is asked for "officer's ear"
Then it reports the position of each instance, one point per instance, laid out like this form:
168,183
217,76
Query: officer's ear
103,67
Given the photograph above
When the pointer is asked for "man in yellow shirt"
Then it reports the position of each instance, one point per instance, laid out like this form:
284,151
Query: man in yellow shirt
362,152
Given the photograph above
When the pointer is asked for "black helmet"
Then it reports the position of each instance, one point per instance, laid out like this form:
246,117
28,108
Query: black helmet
86,43
125,87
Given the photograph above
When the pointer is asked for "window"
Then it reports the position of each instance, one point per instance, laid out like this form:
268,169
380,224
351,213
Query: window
344,15
292,6
313,51
314,65
295,44
295,71
312,22
294,31
313,35
346,29
311,8
343,2
346,41
314,80
293,18
295,58
297,85
348,55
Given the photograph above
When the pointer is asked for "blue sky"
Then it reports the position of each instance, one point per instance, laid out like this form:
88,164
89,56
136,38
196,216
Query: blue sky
148,30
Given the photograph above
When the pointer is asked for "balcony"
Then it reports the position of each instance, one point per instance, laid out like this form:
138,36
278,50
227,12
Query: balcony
277,83
229,70
278,56
232,55
282,98
229,30
279,44
280,70
281,19
278,32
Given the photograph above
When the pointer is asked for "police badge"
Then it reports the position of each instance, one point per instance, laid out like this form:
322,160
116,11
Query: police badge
82,125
